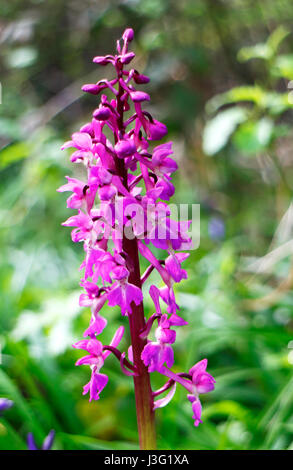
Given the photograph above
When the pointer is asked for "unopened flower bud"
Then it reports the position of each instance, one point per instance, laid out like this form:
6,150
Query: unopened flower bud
126,58
139,96
92,88
128,35
102,113
156,130
139,78
125,148
101,60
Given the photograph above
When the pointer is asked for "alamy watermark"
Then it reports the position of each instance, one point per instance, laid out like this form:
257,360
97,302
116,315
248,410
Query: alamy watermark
176,224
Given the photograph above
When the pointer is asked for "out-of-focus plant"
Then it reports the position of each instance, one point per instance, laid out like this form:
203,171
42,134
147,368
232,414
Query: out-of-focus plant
252,117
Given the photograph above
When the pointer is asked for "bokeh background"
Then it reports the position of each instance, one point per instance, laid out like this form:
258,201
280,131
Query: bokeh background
219,71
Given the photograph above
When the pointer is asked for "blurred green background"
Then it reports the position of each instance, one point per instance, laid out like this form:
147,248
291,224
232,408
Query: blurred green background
219,79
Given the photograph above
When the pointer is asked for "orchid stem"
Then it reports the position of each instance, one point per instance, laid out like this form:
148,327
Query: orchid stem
142,386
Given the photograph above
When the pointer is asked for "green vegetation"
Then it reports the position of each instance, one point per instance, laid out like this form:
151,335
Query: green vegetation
220,72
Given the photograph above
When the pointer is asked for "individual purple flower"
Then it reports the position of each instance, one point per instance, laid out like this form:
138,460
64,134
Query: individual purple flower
84,225
201,380
123,293
156,354
47,444
173,266
82,193
197,382
83,143
95,359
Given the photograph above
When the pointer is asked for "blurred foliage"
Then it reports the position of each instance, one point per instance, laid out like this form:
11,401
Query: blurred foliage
220,73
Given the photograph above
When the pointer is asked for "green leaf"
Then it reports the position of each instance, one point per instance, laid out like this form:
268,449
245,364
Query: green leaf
228,408
218,130
9,439
254,94
283,66
7,388
259,51
265,51
253,137
276,38
13,153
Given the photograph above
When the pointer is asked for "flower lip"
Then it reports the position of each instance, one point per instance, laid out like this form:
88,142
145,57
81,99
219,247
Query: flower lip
119,273
125,148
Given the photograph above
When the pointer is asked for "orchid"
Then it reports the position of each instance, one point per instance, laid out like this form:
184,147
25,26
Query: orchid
122,214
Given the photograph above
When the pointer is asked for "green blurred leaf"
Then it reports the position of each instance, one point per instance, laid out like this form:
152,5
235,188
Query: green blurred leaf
277,37
218,130
259,51
283,66
22,57
9,438
13,153
253,137
8,389
265,51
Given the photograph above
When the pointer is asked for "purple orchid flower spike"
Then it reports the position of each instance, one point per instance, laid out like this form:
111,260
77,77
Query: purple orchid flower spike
47,444
122,216
5,404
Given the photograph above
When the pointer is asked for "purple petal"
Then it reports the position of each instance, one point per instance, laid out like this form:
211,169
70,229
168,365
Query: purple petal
82,140
133,294
197,409
168,356
48,442
86,361
199,367
96,326
164,401
31,442
130,354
